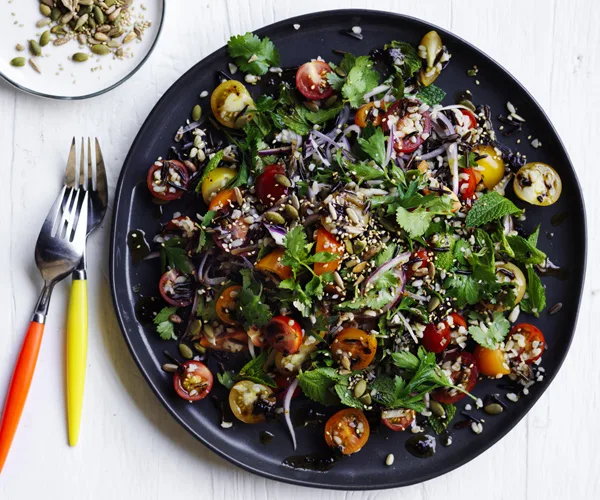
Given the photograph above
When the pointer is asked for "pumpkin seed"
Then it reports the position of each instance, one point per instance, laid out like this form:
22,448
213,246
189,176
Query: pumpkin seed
49,3
45,38
196,112
434,303
274,218
130,37
493,409
468,104
366,399
80,57
348,245
86,9
186,351
92,23
46,10
109,3
86,2
113,44
100,50
81,22
209,331
34,65
101,37
43,22
99,15
60,41
199,347
35,48
437,409
291,212
282,180
18,62
360,388
115,14
330,101
58,30
19,47
312,106
55,14
359,246
196,327
170,367
340,72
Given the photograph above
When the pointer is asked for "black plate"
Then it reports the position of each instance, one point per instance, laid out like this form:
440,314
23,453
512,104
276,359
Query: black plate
133,209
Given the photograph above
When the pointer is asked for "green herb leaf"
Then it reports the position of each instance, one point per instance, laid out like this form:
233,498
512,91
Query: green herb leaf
254,370
164,314
361,79
347,63
534,301
406,361
431,95
174,256
491,334
210,166
439,424
252,54
464,289
374,146
164,326
226,378
415,223
491,206
251,311
318,385
405,58
347,397
524,251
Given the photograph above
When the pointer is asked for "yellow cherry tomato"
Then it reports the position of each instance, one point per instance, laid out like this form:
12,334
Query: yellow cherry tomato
491,167
243,398
230,103
538,184
215,181
507,272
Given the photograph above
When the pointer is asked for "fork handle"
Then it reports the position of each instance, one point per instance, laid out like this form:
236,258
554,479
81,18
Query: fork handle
19,387
77,340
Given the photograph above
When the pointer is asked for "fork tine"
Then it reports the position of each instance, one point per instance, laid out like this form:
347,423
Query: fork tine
71,165
53,216
71,215
59,228
90,173
100,184
81,183
80,231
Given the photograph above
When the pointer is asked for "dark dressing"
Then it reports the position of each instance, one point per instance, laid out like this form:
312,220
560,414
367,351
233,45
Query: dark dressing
305,416
319,461
559,218
266,437
421,446
138,246
146,308
553,270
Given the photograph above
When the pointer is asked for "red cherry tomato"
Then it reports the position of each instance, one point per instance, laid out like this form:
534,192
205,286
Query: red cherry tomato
311,80
182,225
232,231
420,256
234,340
465,377
168,181
177,288
283,383
400,113
466,187
472,119
268,189
530,341
326,242
192,381
436,337
284,334
456,322
398,420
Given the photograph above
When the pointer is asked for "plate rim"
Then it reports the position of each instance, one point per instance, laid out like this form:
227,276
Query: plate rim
309,482
135,69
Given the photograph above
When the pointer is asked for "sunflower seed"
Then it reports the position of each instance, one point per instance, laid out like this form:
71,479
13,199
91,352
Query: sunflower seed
186,351
130,37
60,41
113,44
34,65
49,3
346,362
113,16
83,39
19,47
43,22
238,196
17,62
389,460
101,37
295,201
105,28
169,367
338,280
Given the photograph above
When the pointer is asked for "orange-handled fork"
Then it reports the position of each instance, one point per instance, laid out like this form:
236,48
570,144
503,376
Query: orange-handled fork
58,250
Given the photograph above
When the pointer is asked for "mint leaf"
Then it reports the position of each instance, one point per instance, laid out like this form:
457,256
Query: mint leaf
374,146
431,95
489,335
317,385
347,397
534,301
254,370
252,54
533,237
361,79
491,206
440,424
524,251
366,172
210,166
405,58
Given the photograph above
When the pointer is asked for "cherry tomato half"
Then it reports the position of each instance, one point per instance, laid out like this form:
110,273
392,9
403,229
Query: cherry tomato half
491,362
284,334
168,181
491,166
223,201
249,400
193,380
355,345
398,420
177,288
471,119
226,304
230,103
268,189
410,124
326,242
436,337
348,431
182,225
530,341
271,263
232,235
469,179
418,262
369,113
463,374
311,80
230,341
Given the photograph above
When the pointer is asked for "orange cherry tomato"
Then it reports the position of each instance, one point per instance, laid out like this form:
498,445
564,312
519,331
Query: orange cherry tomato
223,200
271,263
369,113
226,304
326,242
357,346
491,362
530,341
231,341
348,431
398,420
284,334
192,381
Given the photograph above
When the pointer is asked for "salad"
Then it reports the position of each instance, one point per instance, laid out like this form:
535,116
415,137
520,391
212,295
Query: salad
340,235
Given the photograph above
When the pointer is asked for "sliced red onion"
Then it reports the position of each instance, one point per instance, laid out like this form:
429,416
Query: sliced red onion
343,116
446,121
353,128
275,151
390,147
153,255
400,162
323,160
324,138
408,327
287,400
433,154
453,163
251,348
277,233
507,222
390,264
377,90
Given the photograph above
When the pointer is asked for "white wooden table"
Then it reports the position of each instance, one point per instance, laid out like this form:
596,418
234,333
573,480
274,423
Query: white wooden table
130,447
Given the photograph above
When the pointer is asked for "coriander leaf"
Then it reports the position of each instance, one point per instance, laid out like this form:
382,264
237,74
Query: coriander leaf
431,95
164,314
321,116
405,58
366,172
166,330
317,384
361,79
322,257
525,252
415,223
251,310
534,301
440,424
489,335
210,166
406,360
334,79
489,207
374,146
206,310
174,256
254,370
253,54
464,289
347,397
296,248
226,378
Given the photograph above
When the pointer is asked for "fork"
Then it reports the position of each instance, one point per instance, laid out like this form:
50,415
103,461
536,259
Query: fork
77,319
58,250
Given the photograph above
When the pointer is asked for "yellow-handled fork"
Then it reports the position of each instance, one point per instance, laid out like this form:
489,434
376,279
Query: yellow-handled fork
94,182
